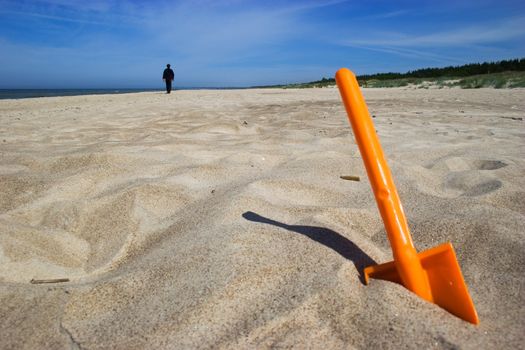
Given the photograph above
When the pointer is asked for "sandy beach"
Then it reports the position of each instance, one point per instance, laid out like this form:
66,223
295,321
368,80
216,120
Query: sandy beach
218,219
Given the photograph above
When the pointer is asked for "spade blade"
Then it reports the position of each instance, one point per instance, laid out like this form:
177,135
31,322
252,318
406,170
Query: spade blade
449,290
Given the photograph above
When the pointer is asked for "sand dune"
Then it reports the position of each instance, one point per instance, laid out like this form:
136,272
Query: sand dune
217,219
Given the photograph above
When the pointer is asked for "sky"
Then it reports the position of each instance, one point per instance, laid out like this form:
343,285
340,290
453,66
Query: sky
235,43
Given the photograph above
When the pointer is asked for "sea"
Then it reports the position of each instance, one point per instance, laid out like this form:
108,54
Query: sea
30,93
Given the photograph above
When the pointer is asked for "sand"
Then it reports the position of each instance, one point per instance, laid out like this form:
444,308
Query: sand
217,219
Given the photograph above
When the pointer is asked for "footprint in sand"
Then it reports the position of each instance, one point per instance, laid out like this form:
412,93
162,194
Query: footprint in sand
471,185
489,164
474,181
462,177
462,164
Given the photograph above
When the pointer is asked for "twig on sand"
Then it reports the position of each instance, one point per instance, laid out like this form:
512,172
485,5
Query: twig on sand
55,280
350,177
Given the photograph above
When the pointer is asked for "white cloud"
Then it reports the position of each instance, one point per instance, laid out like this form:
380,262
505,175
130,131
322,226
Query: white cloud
486,33
410,53
52,17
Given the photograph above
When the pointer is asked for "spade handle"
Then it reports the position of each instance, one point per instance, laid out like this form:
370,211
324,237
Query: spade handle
405,255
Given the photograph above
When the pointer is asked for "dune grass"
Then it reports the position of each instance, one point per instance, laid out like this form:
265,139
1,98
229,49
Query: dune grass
502,80
492,80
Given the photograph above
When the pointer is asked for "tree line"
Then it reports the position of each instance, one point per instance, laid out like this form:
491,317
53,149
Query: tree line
466,70
454,71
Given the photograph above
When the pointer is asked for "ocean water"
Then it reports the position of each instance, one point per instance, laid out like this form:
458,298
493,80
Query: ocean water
29,93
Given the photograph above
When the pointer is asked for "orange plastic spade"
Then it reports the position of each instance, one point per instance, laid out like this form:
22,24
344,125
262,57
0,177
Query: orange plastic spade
433,274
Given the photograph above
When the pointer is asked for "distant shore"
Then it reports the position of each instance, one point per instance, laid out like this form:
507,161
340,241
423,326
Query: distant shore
32,93
6,94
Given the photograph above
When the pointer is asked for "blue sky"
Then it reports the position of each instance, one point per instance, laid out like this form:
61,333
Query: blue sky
127,43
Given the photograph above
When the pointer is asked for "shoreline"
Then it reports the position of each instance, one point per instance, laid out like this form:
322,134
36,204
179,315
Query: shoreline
93,92
16,94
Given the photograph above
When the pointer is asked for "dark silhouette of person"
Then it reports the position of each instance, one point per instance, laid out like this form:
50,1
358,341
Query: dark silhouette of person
168,77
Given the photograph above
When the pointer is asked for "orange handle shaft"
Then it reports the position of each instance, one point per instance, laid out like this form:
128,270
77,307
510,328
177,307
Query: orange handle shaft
405,255
376,167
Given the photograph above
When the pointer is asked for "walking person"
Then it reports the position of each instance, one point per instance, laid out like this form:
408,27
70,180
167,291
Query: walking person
168,77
